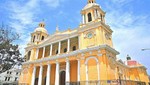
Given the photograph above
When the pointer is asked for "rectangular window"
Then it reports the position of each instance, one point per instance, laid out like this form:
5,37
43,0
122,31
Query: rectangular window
10,72
7,72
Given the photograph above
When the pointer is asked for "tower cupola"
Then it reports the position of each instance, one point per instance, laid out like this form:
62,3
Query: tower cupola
39,34
92,12
91,1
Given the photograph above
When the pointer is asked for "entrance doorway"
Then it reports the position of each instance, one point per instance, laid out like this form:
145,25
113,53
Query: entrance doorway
62,78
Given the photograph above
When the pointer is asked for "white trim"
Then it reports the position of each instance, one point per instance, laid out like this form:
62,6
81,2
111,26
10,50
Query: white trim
92,57
57,74
48,74
68,47
86,71
51,49
72,54
67,71
40,75
43,52
59,47
37,53
86,67
33,76
78,70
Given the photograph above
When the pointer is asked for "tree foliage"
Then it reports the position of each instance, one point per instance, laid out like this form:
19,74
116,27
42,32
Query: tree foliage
9,52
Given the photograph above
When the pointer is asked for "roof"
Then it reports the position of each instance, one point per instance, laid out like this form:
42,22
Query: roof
41,29
90,5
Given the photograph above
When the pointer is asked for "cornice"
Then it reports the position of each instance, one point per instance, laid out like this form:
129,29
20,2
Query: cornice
138,67
74,53
93,25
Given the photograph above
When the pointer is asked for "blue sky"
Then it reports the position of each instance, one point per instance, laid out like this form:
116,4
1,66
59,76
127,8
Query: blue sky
129,19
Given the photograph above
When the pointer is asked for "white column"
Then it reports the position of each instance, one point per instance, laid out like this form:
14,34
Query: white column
59,47
78,71
33,76
79,42
40,75
98,14
57,74
87,78
51,49
43,52
48,74
37,52
83,19
68,49
95,13
98,71
67,72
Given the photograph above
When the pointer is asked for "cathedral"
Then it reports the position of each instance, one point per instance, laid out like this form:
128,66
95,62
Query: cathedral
82,56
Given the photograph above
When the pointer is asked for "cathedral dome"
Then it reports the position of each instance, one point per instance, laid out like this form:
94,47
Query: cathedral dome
41,28
90,5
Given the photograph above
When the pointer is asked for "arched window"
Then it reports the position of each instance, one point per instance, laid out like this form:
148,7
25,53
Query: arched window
42,37
89,17
56,51
74,48
29,54
65,50
101,17
33,38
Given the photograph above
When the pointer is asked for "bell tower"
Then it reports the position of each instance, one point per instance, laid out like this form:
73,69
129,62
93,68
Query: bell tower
91,1
92,12
39,34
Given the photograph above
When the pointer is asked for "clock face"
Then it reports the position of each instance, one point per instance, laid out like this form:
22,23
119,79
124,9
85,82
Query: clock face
90,35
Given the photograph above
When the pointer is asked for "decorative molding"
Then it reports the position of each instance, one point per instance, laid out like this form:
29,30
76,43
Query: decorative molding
92,57
56,57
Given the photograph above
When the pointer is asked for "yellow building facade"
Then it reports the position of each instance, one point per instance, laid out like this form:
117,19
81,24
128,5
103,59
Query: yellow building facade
83,56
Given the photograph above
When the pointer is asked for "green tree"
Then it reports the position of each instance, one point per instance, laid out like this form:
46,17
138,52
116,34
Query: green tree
9,52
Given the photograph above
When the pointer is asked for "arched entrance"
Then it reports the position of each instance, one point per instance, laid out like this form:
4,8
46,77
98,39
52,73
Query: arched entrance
62,79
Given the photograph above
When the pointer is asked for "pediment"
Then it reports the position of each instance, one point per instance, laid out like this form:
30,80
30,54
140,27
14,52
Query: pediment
54,38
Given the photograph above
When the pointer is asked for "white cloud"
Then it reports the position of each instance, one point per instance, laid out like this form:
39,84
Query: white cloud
23,16
121,2
131,33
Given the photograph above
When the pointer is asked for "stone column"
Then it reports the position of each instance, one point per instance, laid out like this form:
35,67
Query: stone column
43,52
37,52
68,47
59,47
51,49
40,75
57,74
48,74
78,70
67,72
83,19
33,76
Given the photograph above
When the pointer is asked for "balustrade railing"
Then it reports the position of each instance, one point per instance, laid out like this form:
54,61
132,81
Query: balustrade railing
107,82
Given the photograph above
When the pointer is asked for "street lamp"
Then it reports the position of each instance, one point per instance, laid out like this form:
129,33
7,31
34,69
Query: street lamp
145,49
